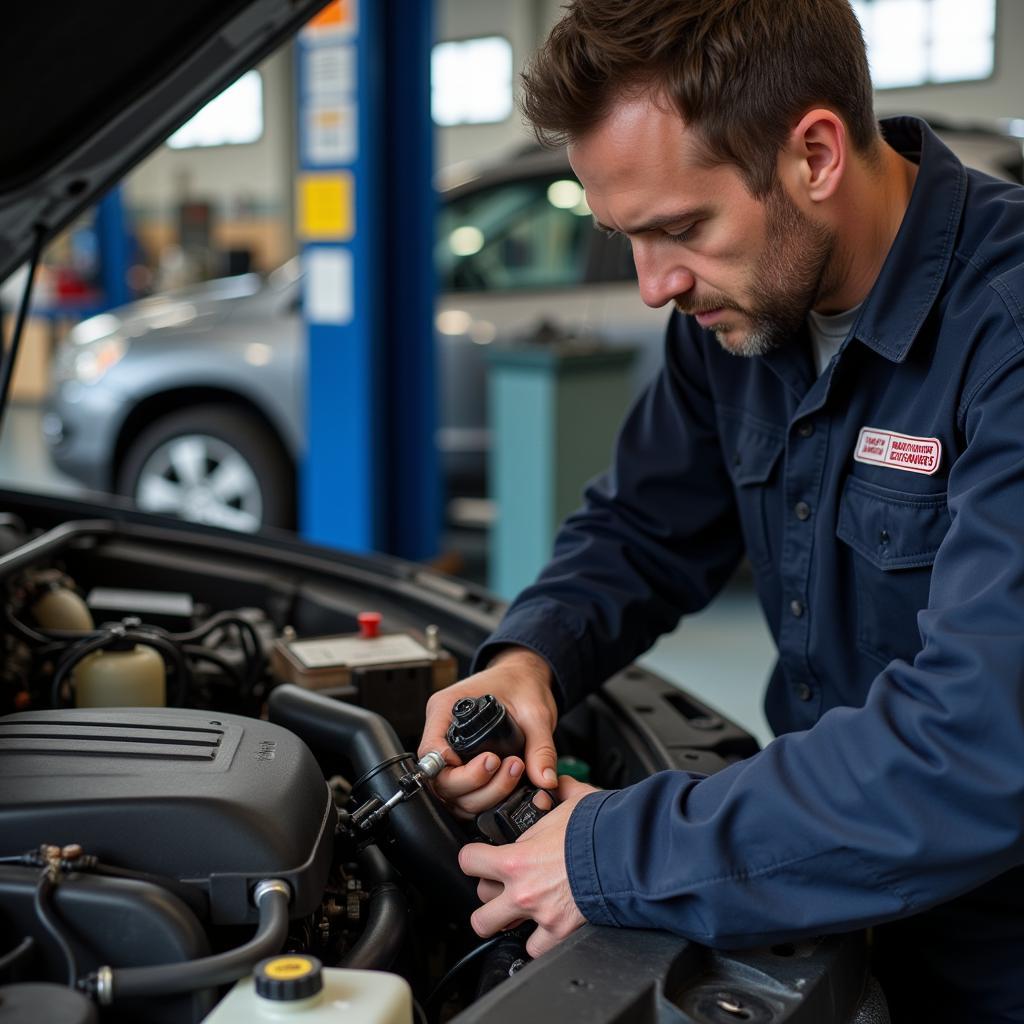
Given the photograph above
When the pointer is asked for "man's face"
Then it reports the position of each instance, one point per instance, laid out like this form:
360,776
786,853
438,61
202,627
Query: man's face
747,269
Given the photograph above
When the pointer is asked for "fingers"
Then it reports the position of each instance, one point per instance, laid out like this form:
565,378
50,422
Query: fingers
537,722
481,784
541,759
487,890
482,861
496,916
541,941
542,801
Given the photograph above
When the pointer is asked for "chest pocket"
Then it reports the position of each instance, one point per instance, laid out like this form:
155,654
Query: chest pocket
894,536
752,450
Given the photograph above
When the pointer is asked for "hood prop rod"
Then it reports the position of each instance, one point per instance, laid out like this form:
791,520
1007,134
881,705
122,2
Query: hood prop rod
11,352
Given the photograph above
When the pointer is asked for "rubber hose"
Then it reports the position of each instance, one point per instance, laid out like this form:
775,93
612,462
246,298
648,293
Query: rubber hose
427,839
331,727
210,971
498,962
386,920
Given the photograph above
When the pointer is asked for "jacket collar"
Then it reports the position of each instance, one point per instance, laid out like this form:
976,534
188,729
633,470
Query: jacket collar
913,272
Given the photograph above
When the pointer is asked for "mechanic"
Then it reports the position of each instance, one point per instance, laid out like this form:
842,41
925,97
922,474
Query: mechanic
866,452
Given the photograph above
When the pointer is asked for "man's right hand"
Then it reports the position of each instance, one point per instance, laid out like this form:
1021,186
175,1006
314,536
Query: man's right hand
522,681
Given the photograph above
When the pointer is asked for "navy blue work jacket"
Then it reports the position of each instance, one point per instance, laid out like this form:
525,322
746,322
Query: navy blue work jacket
881,505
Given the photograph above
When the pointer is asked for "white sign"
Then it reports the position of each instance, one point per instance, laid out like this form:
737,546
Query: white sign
330,72
328,285
331,134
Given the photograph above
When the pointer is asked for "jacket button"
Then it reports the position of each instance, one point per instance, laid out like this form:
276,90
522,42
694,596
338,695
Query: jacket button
802,510
804,692
796,607
805,429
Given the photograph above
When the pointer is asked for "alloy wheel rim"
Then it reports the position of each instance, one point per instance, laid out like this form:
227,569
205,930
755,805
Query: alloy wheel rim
202,479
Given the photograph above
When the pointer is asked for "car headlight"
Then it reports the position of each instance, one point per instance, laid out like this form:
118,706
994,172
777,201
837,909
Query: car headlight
94,360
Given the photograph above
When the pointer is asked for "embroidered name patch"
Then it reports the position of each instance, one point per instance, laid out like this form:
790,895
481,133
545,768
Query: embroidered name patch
898,451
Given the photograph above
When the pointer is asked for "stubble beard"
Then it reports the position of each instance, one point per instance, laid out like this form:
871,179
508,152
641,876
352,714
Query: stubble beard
795,270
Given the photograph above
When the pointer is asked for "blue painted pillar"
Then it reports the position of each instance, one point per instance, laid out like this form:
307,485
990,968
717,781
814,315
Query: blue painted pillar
112,241
366,220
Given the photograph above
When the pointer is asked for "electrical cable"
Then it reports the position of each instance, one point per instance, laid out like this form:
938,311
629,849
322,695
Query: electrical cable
10,958
47,915
71,646
205,654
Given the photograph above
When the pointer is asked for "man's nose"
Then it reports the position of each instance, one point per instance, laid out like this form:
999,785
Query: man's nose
662,278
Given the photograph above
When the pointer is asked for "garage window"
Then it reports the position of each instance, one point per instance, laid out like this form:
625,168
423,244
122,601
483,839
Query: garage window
471,81
233,118
928,42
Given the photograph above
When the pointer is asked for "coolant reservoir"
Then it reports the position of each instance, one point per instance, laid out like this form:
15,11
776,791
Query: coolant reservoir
121,679
297,986
62,608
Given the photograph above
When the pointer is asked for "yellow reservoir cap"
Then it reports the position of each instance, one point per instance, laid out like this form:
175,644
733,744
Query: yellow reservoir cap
288,978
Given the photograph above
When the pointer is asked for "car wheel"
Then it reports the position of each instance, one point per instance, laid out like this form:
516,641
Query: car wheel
213,465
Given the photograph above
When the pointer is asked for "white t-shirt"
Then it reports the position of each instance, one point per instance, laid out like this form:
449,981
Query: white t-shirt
828,333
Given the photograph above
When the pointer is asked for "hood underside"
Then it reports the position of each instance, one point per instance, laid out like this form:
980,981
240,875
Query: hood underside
93,88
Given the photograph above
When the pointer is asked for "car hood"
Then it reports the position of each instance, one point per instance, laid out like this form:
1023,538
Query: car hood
193,308
93,88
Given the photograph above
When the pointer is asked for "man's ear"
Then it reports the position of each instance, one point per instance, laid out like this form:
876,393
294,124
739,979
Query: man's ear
815,154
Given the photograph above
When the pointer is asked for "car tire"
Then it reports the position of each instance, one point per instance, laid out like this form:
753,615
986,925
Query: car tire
210,464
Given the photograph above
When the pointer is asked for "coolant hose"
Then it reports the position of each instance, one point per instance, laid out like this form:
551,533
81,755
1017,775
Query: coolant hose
386,919
423,839
332,727
272,899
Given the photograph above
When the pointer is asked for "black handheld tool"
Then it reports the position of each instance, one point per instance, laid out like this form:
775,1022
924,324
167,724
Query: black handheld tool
483,723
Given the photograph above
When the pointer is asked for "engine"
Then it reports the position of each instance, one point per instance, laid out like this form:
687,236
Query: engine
205,761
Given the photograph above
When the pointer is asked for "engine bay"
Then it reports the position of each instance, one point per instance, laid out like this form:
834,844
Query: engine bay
203,734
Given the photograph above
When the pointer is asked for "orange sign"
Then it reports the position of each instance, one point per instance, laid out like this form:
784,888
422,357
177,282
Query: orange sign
337,17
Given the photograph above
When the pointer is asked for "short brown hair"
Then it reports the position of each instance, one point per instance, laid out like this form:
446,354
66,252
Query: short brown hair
741,72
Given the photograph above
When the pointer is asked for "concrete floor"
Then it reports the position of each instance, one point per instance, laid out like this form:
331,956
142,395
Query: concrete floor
723,656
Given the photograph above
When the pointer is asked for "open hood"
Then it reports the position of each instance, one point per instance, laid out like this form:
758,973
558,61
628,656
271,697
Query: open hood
91,89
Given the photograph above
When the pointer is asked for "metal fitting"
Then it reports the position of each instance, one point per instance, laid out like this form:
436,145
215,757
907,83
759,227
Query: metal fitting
431,764
104,985
269,885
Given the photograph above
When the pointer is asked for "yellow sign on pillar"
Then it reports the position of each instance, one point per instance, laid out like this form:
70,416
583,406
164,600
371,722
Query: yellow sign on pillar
326,206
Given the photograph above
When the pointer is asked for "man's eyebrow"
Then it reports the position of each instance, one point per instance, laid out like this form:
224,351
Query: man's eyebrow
678,217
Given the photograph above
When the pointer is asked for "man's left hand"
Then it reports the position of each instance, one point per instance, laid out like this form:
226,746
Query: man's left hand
527,880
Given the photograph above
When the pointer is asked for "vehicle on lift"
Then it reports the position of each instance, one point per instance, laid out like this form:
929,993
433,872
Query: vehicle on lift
193,403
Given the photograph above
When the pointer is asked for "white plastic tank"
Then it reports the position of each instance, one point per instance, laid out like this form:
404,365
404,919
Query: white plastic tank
297,987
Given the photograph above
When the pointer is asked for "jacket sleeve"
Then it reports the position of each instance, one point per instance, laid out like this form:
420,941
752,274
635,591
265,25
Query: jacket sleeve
658,536
875,812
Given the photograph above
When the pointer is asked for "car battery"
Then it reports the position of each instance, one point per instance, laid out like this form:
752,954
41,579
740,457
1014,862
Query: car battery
392,674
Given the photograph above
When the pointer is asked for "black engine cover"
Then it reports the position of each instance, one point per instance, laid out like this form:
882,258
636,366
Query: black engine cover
218,800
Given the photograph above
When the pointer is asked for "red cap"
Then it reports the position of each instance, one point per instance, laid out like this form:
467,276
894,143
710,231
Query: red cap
369,624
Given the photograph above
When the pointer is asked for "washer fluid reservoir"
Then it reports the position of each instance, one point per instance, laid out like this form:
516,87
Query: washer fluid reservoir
294,985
